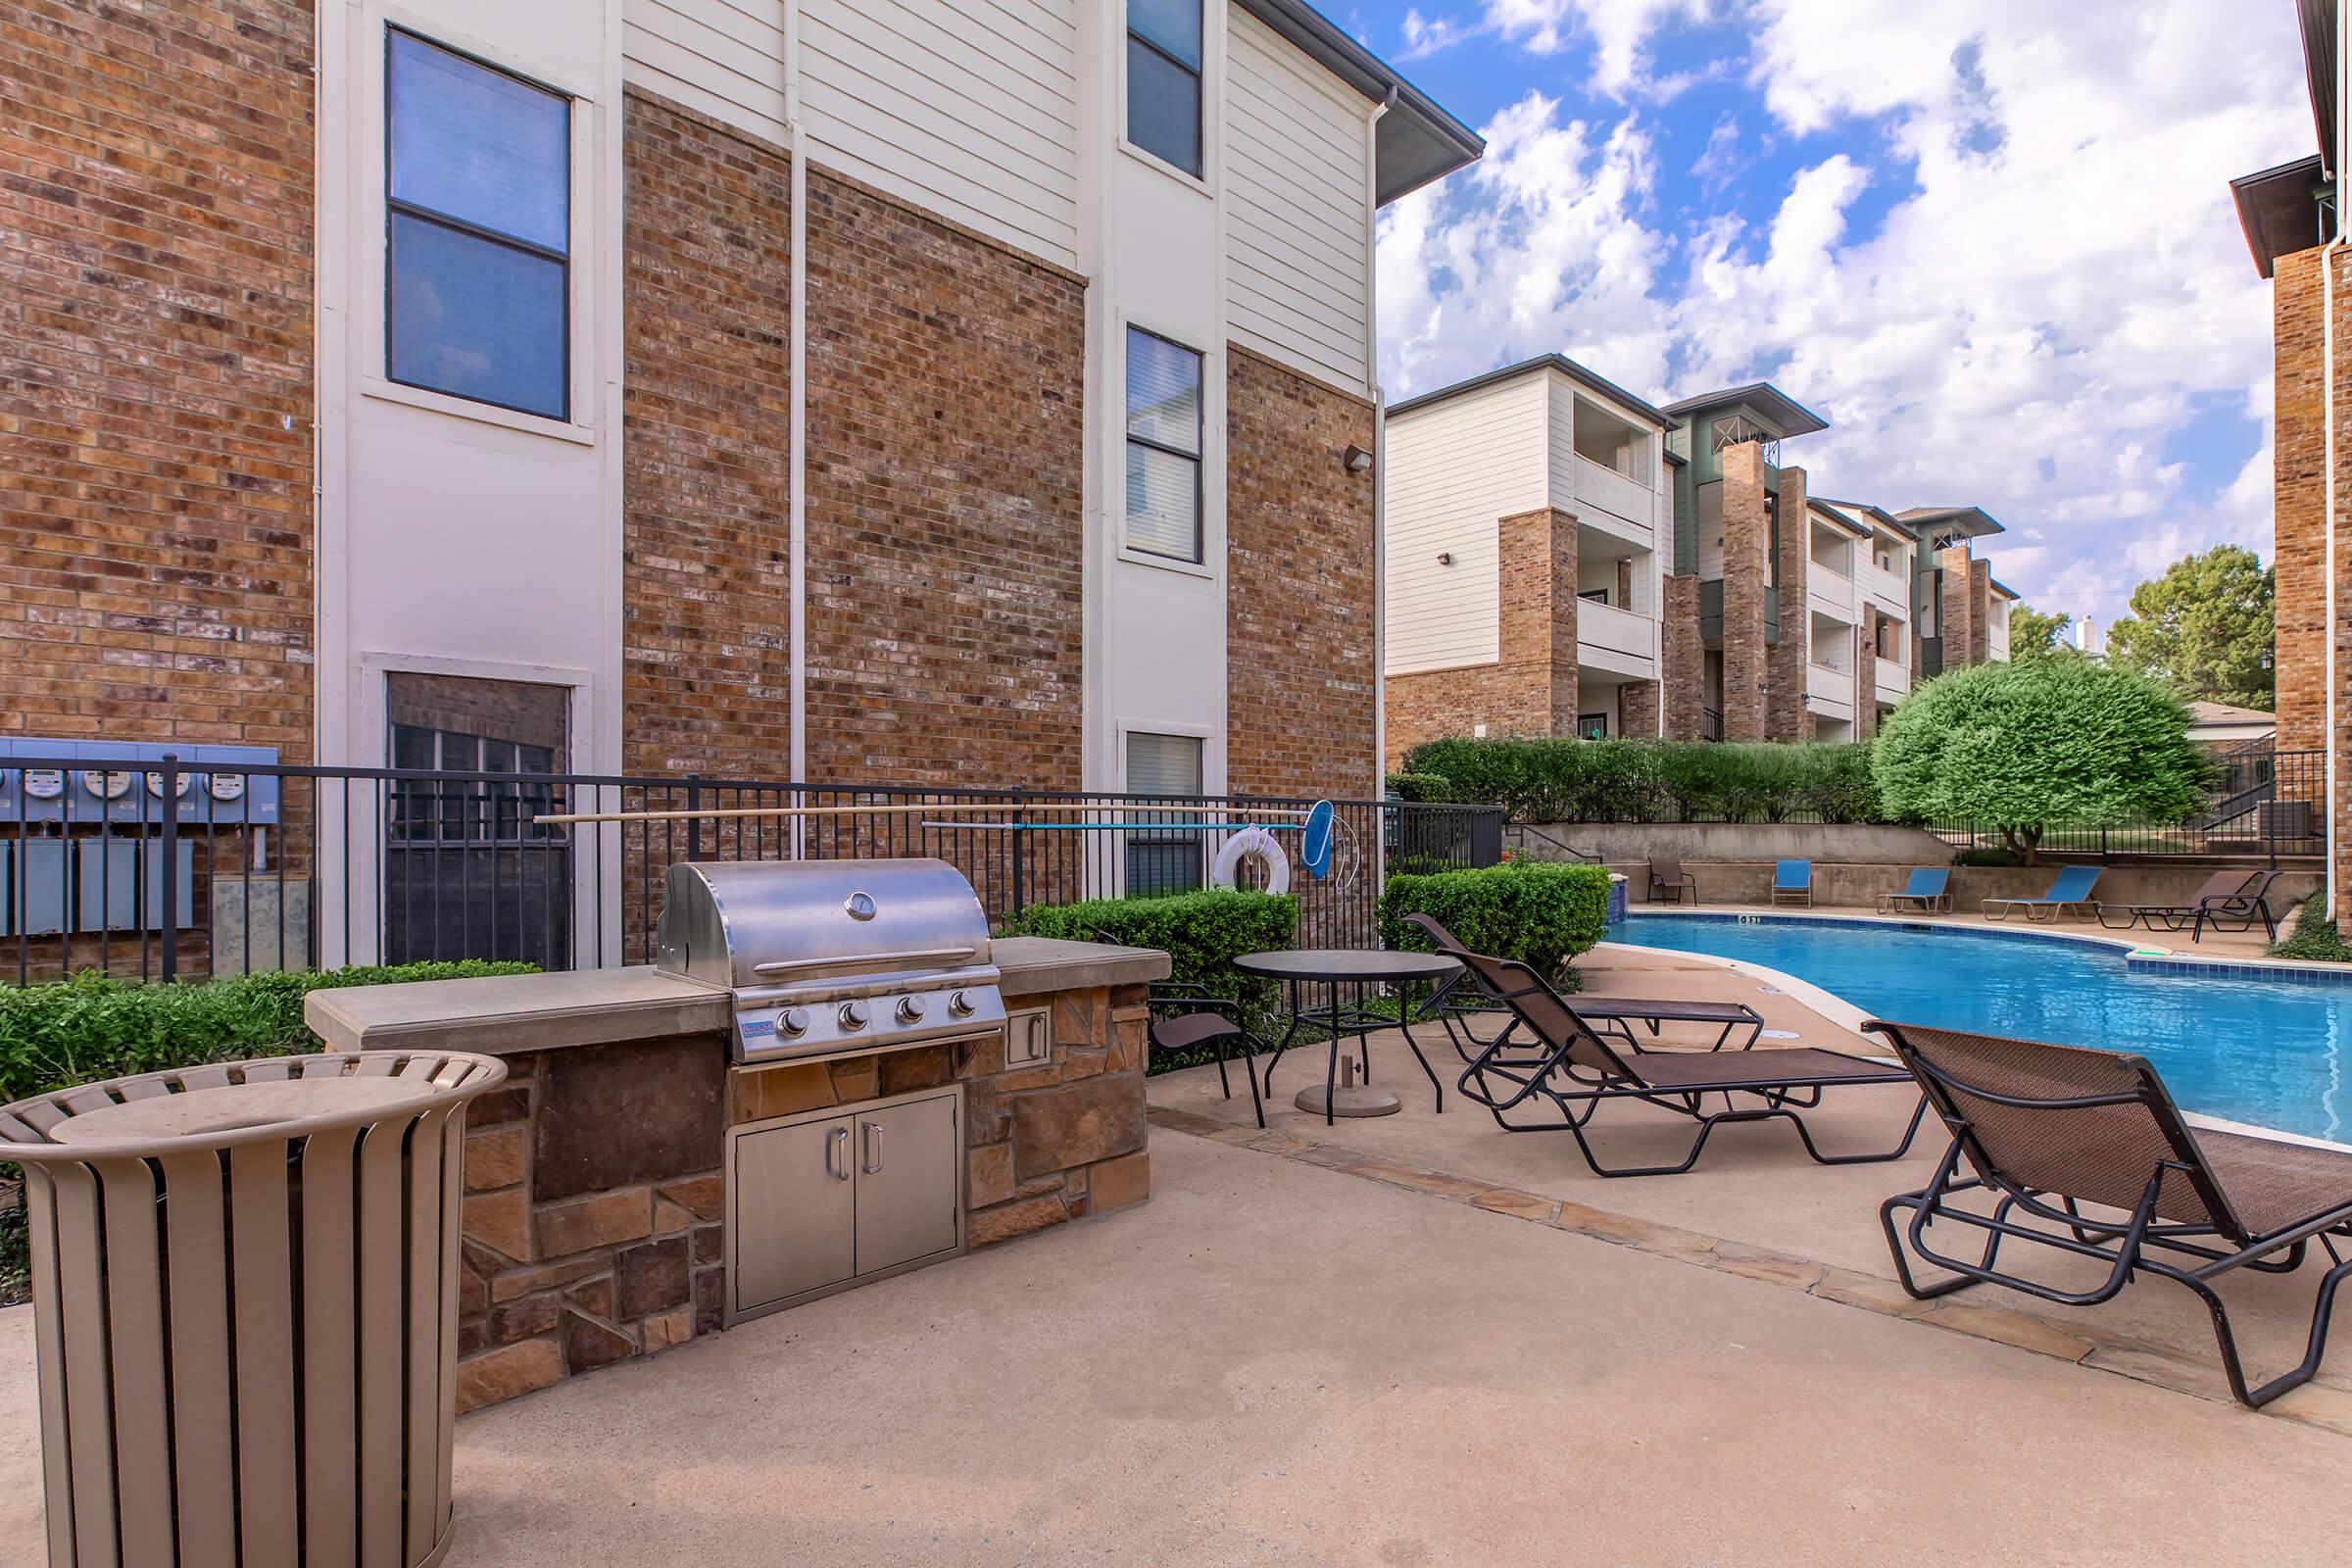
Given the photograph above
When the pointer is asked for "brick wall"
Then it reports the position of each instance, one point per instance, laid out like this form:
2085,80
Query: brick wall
2299,495
1983,608
1530,687
1866,675
1747,543
945,524
1300,691
1785,715
156,368
1959,605
1638,709
1681,659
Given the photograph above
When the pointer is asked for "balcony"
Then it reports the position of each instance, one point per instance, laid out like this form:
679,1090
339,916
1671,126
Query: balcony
1616,640
1831,596
1830,691
1630,505
1893,680
1891,590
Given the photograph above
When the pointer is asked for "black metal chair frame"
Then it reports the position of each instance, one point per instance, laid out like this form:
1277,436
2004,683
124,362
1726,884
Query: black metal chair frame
1578,1093
2125,1246
1658,884
1616,1018
1194,998
2251,902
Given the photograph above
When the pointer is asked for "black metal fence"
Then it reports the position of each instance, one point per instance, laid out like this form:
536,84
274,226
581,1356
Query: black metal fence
2262,803
195,868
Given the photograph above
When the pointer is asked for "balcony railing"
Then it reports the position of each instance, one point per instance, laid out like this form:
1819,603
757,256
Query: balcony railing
1628,501
1624,641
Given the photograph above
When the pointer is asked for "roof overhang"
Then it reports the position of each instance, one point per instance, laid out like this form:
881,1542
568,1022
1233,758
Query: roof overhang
1828,513
1417,141
2004,590
1791,417
1878,515
1542,362
1956,523
2277,209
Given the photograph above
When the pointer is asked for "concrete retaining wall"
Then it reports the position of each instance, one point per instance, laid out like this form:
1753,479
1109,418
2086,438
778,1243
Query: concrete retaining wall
1863,843
1858,886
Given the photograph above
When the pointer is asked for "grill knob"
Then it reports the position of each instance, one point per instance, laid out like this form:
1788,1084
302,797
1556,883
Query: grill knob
793,1022
911,1009
852,1016
960,1006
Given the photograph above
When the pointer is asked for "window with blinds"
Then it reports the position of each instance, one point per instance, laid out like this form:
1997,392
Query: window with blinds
1163,860
1163,447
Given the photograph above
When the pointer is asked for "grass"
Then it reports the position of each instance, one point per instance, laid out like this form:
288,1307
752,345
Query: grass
2313,936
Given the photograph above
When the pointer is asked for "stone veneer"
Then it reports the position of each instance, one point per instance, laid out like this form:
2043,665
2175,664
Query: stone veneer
1746,549
2299,499
1866,675
1785,715
1681,659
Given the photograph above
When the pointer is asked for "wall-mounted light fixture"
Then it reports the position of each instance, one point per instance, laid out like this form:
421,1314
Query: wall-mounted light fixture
1445,558
1357,460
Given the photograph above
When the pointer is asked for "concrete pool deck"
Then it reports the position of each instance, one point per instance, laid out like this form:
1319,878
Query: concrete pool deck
1756,1204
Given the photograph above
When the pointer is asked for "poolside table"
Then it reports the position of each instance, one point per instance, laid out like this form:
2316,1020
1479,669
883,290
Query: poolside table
1340,968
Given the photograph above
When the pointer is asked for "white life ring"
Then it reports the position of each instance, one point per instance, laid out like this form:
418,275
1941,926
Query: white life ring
1255,841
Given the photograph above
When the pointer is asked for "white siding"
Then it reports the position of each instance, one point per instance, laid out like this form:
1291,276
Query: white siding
964,108
1560,451
1297,268
1454,471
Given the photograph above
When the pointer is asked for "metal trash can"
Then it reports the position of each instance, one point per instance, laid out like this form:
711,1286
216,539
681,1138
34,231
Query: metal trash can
244,1286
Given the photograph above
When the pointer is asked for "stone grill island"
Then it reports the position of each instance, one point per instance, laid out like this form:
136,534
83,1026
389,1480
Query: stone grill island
598,1219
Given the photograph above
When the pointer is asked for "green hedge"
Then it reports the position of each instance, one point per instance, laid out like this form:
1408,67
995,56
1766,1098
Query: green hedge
90,1027
1558,780
1202,933
1431,789
2314,935
1540,914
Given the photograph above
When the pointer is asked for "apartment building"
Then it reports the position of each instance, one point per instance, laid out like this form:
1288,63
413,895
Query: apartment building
953,391
1860,592
1962,612
1526,515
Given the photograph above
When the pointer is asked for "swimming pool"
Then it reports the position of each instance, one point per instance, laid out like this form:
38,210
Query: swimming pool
2271,1053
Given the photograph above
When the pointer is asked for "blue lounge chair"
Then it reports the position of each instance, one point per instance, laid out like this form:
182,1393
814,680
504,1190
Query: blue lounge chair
1929,892
2071,890
1792,883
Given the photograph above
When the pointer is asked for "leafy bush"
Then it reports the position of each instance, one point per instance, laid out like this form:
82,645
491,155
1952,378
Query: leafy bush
1202,933
2061,743
90,1027
1556,780
1433,789
2314,935
1984,857
1540,914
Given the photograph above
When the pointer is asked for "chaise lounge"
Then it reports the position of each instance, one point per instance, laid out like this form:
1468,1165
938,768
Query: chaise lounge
2048,1129
1927,892
1573,1068
2070,888
2239,895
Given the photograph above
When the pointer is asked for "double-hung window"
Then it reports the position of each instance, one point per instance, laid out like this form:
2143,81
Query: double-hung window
1163,81
1163,447
478,230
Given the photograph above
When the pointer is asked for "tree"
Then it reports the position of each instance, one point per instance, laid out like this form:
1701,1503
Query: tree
2204,628
2047,742
2035,636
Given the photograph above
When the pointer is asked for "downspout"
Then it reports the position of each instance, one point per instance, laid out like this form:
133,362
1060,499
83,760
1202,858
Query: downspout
1380,454
797,456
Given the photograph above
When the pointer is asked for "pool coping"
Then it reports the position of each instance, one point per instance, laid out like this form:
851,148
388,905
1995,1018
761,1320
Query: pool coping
1836,1009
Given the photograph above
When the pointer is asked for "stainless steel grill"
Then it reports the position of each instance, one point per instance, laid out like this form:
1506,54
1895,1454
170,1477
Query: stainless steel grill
826,957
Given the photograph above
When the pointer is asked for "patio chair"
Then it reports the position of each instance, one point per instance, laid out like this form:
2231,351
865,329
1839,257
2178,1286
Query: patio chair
1667,876
1463,998
2247,905
1187,1017
1792,883
2070,888
1929,892
2048,1129
1573,1067
2224,890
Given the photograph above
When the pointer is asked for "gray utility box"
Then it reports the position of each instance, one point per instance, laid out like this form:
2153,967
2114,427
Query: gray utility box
830,1198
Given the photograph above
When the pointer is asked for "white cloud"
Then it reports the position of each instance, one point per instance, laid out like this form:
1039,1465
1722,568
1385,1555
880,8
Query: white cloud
2065,289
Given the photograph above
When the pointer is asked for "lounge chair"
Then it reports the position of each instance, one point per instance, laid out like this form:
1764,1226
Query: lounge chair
1463,998
1792,882
1575,1070
1929,892
2225,895
2070,889
2047,1129
1667,876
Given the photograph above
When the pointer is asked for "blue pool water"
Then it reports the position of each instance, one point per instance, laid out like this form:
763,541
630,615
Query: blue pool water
2266,1051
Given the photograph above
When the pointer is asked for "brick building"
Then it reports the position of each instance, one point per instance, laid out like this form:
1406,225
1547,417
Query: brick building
2291,218
963,392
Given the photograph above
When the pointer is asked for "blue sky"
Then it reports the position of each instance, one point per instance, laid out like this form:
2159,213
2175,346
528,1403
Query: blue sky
1989,240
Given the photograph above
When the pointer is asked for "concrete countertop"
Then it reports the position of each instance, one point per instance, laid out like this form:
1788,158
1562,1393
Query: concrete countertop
505,1014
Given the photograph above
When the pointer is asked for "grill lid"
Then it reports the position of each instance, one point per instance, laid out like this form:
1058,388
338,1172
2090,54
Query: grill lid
757,925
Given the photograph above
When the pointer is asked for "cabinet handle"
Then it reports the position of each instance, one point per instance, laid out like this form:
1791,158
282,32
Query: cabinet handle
837,1155
873,1148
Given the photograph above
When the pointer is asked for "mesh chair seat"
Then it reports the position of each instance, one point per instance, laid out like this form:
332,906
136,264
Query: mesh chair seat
1193,1029
2275,1186
1780,1067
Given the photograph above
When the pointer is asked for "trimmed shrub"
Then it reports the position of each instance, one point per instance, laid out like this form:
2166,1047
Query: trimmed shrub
1539,914
1427,789
90,1027
2313,936
1557,780
1202,933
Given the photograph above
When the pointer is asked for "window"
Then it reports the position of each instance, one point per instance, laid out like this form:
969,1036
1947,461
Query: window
1166,861
1598,596
478,230
1163,447
1163,81
1592,727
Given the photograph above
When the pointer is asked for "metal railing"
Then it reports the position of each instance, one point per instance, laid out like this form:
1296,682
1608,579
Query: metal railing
2262,804
195,868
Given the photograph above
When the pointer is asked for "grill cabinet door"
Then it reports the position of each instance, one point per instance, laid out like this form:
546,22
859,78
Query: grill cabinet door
795,1209
907,1160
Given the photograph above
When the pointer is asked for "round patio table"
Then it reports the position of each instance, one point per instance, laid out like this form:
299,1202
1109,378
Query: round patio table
1339,969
